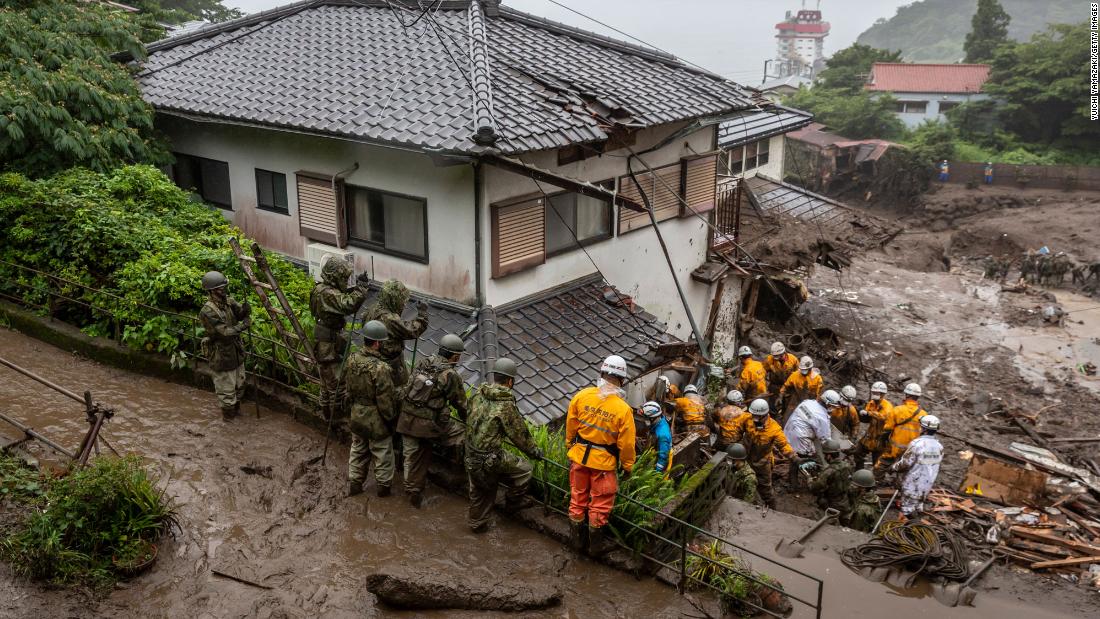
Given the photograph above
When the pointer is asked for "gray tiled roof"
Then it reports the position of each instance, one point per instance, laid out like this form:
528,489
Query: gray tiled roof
352,70
752,126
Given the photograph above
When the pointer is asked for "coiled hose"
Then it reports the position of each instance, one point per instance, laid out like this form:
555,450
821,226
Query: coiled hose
928,549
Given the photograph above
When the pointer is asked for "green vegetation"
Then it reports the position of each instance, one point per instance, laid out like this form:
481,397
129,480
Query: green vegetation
935,30
63,101
179,11
988,31
88,527
139,239
732,577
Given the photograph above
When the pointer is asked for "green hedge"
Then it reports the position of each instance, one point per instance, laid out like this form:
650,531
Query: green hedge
132,234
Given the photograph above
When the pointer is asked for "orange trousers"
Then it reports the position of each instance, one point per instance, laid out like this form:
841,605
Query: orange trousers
592,494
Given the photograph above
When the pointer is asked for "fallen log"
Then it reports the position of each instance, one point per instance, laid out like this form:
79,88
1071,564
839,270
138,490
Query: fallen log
428,590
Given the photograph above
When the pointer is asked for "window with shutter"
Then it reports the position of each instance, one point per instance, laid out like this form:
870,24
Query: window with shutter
700,180
662,187
519,236
319,209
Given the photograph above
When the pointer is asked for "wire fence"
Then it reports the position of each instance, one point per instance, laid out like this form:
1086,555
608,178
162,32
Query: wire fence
105,314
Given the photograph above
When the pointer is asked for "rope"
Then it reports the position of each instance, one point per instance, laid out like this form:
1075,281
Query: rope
931,550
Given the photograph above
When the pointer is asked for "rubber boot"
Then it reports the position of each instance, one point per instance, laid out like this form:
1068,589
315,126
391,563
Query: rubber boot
578,535
237,409
383,490
598,542
416,499
354,488
227,413
515,505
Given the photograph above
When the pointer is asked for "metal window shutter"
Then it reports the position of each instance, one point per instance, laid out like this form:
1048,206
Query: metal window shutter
662,187
701,180
318,209
519,236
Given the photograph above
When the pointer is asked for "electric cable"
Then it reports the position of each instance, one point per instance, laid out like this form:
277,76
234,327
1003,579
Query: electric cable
931,550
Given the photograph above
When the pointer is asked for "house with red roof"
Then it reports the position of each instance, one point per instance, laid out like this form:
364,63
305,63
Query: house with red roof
928,91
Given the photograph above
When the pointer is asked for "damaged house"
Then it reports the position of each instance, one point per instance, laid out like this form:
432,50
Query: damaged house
487,158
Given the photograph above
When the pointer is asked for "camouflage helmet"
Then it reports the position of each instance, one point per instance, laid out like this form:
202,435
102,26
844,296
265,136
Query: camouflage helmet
336,272
214,280
451,344
504,368
393,296
863,478
375,331
737,451
831,447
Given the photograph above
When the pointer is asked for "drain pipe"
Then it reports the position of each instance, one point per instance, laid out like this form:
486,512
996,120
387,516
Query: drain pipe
479,177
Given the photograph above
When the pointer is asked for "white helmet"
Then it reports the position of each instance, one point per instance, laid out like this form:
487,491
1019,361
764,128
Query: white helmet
735,397
614,365
651,409
779,349
691,388
830,398
849,394
913,389
744,351
930,422
805,363
759,407
878,387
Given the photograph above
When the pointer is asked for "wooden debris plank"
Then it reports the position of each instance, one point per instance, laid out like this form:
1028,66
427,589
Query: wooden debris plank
1065,562
1084,524
1042,549
1087,549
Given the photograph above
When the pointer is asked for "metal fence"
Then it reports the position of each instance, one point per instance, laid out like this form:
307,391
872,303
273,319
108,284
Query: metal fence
727,215
1043,176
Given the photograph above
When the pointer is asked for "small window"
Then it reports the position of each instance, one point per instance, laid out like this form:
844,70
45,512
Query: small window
271,192
207,178
947,106
388,222
750,155
911,107
573,218
762,152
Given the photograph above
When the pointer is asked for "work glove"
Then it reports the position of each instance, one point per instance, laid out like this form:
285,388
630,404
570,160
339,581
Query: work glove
246,309
362,281
422,307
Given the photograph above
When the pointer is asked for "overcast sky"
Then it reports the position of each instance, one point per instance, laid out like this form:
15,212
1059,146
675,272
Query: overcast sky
730,37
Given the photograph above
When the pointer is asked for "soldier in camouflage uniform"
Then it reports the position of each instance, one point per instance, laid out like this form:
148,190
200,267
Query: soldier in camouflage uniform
331,302
391,303
224,319
373,412
434,388
494,418
866,506
831,484
741,484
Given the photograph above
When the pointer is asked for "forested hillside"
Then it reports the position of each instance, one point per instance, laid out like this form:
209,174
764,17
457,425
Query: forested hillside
934,30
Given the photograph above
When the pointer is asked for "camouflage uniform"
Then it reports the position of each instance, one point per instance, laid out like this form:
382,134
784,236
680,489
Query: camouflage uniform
866,509
429,419
494,417
330,303
831,485
391,303
373,411
742,483
224,323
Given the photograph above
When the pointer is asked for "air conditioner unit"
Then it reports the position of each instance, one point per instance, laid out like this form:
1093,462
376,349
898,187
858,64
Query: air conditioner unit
319,253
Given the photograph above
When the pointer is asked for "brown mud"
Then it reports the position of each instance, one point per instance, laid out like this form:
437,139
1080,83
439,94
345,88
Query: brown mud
252,506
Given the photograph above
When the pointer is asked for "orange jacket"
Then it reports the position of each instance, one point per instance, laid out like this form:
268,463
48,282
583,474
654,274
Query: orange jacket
596,426
752,382
691,409
903,424
779,368
763,443
878,411
803,386
726,419
846,419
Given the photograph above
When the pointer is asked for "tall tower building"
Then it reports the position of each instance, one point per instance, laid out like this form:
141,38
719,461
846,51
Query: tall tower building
800,43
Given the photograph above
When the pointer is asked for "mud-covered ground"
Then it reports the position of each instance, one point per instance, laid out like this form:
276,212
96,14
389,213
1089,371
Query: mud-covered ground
252,506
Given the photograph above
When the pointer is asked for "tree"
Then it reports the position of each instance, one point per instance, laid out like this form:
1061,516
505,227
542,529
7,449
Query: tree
855,115
179,11
933,141
988,31
848,68
63,101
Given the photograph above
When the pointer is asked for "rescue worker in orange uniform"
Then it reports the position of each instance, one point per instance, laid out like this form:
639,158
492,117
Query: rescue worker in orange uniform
777,367
874,413
752,379
691,409
599,433
845,417
762,437
726,418
801,385
899,429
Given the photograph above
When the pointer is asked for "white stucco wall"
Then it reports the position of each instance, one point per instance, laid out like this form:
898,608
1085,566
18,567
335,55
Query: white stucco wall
632,262
449,192
932,109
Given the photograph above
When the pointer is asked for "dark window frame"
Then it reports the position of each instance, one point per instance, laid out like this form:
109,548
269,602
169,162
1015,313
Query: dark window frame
572,246
273,208
903,105
349,206
226,206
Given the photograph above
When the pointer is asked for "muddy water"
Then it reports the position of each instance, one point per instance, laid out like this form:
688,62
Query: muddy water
251,506
1039,350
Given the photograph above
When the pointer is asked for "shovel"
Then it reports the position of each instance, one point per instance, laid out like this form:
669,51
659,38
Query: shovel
954,594
793,550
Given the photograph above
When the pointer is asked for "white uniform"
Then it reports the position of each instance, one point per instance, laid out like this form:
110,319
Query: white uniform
921,463
809,420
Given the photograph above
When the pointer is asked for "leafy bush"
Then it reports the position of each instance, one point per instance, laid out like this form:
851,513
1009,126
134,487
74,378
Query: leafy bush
139,239
108,509
933,141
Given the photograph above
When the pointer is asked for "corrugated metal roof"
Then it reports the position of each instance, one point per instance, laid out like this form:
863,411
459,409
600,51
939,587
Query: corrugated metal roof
778,198
359,71
937,78
752,126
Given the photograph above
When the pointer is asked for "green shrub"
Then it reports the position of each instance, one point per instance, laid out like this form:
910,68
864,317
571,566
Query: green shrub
109,509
